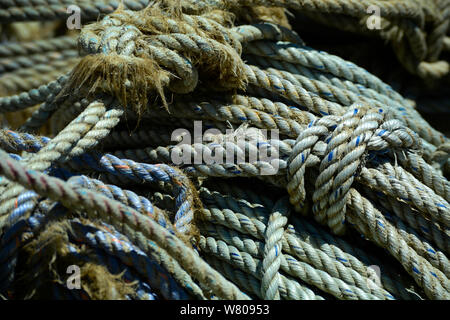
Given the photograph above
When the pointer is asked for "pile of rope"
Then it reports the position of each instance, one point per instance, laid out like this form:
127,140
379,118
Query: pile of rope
350,201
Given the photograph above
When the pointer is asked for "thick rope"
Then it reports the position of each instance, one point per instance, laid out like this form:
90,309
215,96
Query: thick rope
103,190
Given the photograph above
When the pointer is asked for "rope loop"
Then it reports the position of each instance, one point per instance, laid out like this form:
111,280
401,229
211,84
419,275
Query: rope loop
338,147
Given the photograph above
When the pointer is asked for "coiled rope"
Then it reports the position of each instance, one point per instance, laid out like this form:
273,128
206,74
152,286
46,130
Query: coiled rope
356,179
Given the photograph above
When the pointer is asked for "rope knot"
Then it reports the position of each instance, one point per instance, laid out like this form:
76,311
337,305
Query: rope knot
132,54
338,148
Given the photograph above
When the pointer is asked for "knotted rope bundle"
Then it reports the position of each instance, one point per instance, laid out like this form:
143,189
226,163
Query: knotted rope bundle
357,132
353,179
138,45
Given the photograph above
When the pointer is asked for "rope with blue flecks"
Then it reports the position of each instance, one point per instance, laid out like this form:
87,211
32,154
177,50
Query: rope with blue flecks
352,154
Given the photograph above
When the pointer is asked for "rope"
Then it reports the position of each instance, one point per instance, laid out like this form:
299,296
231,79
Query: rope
13,11
119,215
13,49
10,64
32,97
272,250
293,242
416,47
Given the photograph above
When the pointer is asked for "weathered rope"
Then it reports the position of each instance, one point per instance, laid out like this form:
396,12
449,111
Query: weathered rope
34,96
12,11
119,189
13,49
120,216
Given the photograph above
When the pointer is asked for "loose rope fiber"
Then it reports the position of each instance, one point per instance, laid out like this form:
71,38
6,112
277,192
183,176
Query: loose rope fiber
188,150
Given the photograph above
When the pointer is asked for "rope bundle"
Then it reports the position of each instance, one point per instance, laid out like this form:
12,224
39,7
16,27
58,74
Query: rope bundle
355,178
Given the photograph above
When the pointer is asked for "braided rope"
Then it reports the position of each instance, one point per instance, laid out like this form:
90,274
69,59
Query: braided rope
121,168
434,282
34,96
293,243
13,49
272,253
350,153
120,215
83,133
56,10
10,64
